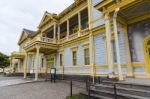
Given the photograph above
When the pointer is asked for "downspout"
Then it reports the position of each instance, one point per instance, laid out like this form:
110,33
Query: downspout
117,43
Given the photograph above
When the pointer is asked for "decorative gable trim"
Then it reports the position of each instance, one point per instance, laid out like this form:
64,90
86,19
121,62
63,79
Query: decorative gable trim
47,17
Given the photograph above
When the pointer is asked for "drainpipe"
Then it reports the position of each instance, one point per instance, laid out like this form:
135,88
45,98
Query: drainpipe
117,43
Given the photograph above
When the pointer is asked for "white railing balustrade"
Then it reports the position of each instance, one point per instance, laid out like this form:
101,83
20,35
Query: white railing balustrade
63,40
40,39
84,32
73,36
45,39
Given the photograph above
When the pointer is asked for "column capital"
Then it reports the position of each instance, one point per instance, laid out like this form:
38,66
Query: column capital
107,16
37,47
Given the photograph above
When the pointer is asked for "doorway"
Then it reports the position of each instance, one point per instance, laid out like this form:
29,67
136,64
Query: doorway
146,46
50,62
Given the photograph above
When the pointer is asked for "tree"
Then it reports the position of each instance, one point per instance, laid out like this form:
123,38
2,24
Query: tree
4,61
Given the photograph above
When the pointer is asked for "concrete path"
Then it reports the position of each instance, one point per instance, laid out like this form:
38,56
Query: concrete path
13,82
21,89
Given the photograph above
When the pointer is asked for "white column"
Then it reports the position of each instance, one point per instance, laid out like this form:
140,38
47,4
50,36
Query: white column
54,34
117,44
25,65
128,54
58,33
68,29
13,64
19,65
10,65
79,24
37,62
90,12
108,42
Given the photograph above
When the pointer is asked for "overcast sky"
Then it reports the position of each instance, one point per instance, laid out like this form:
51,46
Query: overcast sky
18,14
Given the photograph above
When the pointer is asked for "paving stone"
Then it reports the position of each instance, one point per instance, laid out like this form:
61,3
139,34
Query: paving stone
38,90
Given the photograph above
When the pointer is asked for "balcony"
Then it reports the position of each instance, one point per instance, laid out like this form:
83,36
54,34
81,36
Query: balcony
52,43
75,36
39,41
18,55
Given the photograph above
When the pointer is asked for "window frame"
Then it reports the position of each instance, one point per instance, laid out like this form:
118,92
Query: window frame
74,49
61,60
86,46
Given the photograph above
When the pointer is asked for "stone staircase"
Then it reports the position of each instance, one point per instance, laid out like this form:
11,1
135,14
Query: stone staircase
124,90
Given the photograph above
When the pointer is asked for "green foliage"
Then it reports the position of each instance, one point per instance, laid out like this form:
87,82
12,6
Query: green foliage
4,60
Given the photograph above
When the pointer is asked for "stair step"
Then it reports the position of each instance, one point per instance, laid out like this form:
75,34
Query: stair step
109,94
127,85
121,95
100,97
104,87
138,92
95,96
128,96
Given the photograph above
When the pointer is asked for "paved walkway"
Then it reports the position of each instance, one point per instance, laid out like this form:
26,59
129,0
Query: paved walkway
36,90
13,82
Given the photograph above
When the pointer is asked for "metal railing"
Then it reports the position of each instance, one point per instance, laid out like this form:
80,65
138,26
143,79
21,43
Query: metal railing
85,85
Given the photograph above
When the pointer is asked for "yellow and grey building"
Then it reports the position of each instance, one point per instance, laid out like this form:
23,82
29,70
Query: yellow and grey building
89,38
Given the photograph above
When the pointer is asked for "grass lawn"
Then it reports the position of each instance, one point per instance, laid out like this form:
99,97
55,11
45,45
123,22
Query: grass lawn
75,97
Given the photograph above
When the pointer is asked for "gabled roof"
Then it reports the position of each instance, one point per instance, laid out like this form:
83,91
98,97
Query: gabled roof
25,34
29,32
47,17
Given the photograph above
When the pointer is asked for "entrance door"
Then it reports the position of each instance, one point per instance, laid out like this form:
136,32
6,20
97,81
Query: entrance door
50,63
146,45
148,52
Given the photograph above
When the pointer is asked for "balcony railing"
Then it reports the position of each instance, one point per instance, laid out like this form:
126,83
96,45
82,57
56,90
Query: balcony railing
40,39
63,40
73,36
18,53
84,32
52,41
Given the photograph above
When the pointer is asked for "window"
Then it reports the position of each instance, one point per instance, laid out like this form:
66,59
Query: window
61,59
74,58
86,56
